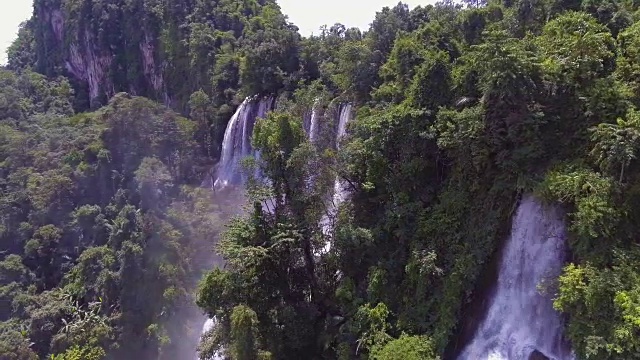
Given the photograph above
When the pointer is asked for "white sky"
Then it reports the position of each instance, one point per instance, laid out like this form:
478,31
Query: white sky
307,15
310,15
12,13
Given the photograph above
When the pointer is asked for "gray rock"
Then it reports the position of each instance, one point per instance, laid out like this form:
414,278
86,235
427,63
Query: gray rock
537,355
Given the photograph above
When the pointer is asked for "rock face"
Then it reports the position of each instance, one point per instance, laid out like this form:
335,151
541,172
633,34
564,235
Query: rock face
84,62
95,45
164,50
537,355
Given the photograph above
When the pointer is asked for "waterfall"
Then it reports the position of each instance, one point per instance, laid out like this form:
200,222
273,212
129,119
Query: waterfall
236,146
345,117
313,127
208,325
521,323
339,192
311,120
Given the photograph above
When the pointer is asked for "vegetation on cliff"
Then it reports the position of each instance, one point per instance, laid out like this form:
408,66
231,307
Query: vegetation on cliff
460,109
100,228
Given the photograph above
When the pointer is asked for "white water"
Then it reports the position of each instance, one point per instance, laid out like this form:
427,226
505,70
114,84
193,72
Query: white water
339,192
236,146
313,127
521,320
208,325
345,117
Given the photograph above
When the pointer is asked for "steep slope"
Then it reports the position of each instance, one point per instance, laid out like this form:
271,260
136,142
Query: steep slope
457,112
164,51
101,237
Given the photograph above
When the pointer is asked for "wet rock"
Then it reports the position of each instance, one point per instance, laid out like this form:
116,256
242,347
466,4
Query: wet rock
537,355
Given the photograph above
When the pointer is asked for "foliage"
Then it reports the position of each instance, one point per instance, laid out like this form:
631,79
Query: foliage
467,109
166,52
77,353
615,144
457,112
99,239
604,304
578,48
407,347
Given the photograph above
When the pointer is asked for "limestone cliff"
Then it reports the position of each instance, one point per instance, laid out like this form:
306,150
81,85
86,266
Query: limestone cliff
164,50
104,46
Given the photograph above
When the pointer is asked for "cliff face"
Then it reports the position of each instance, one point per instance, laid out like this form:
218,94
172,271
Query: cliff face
162,50
105,47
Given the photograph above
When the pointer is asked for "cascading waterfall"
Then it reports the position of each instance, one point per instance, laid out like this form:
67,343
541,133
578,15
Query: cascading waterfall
345,117
311,124
208,325
315,123
521,323
236,146
311,121
339,192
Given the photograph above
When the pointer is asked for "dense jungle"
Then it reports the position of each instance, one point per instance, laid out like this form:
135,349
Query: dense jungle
113,115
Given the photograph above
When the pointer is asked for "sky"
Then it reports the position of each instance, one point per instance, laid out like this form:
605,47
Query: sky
310,15
307,15
12,13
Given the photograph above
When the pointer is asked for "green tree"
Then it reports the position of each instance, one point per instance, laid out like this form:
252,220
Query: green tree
407,347
243,334
577,49
615,145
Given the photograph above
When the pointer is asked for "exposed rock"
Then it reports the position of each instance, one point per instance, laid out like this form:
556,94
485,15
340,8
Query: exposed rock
57,23
86,65
152,72
537,355
82,51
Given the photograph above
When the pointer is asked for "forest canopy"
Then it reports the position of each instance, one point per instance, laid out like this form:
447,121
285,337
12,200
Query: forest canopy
112,114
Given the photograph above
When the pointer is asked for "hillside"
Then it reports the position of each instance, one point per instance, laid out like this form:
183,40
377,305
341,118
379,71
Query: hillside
117,117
